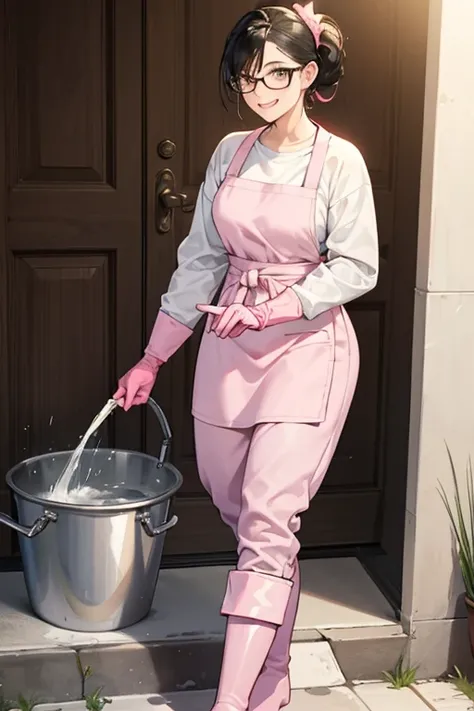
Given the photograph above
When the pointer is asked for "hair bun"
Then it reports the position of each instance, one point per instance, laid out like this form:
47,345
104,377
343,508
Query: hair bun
331,54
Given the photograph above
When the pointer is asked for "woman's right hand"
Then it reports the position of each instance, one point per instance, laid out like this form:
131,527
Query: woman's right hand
135,387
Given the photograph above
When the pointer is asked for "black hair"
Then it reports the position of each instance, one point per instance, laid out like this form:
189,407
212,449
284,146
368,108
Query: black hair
244,46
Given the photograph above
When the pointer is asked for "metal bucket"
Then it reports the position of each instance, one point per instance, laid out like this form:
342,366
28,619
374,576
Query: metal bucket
94,568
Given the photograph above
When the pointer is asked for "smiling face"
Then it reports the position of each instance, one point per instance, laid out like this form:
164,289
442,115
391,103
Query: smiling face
277,86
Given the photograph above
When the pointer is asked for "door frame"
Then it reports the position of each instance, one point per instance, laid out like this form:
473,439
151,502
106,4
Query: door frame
386,566
5,444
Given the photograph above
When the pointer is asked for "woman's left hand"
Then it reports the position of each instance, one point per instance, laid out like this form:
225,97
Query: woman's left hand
230,320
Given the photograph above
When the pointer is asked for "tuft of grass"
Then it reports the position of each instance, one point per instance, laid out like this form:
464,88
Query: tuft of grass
95,701
25,704
22,703
401,676
462,523
462,684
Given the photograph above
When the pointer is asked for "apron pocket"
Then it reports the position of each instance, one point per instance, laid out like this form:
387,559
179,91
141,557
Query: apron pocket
317,335
303,380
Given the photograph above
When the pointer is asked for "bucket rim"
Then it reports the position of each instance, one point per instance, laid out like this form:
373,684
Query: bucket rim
91,508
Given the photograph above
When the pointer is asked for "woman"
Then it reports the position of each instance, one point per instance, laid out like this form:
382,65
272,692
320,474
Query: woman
286,220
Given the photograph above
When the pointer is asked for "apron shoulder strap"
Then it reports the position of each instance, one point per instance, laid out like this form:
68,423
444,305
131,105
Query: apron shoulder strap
242,152
318,158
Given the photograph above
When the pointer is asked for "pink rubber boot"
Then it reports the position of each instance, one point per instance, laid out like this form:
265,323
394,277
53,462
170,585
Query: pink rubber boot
246,646
256,604
272,689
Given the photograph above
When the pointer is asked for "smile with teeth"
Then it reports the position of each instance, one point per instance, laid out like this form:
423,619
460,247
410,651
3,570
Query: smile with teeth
269,105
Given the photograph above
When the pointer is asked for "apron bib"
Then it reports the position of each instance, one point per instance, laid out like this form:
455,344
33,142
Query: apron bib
283,373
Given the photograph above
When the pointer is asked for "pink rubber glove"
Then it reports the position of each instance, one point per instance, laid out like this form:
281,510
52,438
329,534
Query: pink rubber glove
136,385
283,308
228,318
167,336
233,320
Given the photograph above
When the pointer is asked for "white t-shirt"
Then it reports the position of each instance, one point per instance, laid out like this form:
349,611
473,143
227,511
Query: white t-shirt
345,228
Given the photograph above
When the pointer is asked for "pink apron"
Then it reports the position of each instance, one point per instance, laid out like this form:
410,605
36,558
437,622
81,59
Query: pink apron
283,373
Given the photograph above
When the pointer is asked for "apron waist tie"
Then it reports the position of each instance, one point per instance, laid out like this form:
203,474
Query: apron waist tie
251,283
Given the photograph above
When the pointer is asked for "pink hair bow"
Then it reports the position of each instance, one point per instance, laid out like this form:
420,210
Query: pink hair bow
308,16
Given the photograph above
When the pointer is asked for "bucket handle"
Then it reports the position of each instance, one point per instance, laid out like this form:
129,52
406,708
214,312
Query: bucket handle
167,436
30,531
144,517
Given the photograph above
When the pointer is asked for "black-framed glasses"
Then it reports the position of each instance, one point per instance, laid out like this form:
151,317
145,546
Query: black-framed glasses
277,80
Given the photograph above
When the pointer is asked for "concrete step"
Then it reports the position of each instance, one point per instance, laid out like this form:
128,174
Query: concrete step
344,630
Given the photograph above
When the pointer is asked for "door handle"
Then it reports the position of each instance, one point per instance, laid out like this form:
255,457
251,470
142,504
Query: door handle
167,200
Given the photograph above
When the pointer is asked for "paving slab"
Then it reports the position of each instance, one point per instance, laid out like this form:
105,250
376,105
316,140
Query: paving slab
335,699
443,696
382,697
314,664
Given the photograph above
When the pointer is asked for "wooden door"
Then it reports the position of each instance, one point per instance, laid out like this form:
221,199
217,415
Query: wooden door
92,87
71,241
184,42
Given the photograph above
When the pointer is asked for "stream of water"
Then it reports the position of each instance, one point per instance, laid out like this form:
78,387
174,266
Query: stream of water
67,489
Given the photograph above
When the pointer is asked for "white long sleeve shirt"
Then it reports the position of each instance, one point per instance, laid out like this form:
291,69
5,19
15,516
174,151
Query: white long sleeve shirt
345,229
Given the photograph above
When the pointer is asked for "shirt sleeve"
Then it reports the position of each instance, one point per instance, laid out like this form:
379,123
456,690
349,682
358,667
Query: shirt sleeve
352,265
202,258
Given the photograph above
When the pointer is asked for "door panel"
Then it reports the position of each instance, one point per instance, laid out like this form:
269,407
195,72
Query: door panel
73,220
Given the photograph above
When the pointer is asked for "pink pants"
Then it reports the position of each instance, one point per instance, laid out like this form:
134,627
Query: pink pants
262,478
